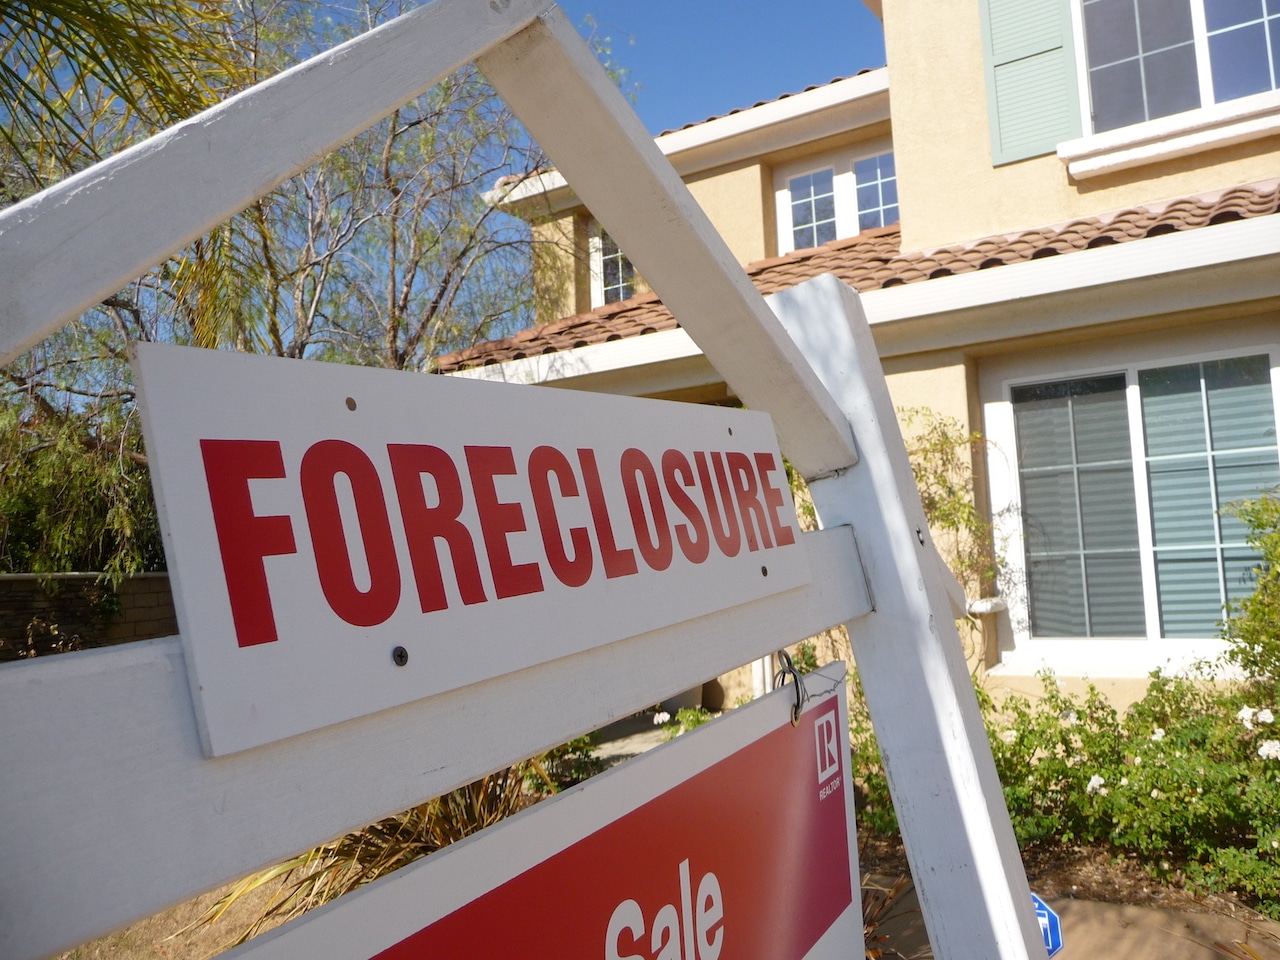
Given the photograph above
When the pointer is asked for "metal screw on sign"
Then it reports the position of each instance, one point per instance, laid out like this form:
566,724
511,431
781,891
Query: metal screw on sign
788,669
400,656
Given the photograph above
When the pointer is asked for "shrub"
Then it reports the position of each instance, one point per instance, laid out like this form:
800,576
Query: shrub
1253,623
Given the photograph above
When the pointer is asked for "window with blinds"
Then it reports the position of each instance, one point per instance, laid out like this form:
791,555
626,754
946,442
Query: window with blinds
1207,436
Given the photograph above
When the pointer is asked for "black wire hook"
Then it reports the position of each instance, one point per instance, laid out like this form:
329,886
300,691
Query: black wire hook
788,669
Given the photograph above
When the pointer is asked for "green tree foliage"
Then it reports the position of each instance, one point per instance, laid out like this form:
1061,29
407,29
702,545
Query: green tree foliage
1253,623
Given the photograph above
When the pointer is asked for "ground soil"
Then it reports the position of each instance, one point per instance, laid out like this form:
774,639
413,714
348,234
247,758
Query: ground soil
1079,873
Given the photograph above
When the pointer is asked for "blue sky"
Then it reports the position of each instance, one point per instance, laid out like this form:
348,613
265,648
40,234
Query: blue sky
694,59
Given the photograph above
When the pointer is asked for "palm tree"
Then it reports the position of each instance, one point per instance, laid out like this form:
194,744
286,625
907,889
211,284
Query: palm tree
79,78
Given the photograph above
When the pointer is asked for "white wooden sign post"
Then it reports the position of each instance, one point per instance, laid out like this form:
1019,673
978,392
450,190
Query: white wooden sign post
111,810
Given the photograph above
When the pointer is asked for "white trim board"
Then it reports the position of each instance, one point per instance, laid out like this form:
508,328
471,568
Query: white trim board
129,795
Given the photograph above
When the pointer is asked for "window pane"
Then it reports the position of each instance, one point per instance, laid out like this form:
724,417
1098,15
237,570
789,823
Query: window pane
822,181
1190,598
1242,476
1110,31
1172,411
1107,509
873,219
1057,598
824,232
868,196
1049,512
1228,13
801,188
1181,502
1164,23
866,170
1102,427
824,208
1241,412
804,237
801,214
1242,573
1044,432
1116,94
1240,63
889,195
1115,596
1171,82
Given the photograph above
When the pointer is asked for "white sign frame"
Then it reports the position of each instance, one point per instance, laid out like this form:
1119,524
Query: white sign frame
394,908
82,795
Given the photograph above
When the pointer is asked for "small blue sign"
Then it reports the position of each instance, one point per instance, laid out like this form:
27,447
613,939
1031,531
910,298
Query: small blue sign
1050,925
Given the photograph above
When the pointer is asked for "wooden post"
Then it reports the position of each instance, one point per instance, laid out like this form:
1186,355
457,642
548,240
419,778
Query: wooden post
955,826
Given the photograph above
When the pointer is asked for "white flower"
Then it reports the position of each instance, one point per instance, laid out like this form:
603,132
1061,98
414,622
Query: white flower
1158,735
1137,761
1009,736
1264,716
1069,718
1245,716
1269,749
1124,781
1155,794
660,718
1096,785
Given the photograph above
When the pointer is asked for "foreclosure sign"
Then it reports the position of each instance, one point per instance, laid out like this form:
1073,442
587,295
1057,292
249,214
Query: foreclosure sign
342,540
732,842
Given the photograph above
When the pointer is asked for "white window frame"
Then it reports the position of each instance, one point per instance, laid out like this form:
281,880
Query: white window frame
843,185
1178,135
1022,654
595,263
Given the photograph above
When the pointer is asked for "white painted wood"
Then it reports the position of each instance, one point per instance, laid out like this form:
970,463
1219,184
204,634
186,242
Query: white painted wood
381,915
303,661
558,90
963,855
70,246
109,811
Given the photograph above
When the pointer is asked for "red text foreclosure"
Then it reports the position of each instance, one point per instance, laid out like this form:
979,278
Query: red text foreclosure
674,503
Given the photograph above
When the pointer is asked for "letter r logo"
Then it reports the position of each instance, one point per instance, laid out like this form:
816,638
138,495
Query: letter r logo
825,732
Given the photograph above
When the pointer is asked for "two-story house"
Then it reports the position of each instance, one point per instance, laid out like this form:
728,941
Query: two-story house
1058,214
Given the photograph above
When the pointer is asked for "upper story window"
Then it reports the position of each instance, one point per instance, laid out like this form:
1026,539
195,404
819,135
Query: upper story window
617,273
613,278
877,183
1110,85
1153,58
842,199
813,208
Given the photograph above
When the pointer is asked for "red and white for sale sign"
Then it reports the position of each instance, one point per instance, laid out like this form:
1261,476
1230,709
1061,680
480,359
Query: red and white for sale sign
734,841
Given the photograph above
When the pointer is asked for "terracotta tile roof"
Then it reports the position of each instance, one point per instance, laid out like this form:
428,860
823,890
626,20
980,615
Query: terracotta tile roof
872,261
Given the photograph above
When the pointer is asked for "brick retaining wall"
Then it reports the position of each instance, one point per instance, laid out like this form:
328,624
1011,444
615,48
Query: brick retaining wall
79,606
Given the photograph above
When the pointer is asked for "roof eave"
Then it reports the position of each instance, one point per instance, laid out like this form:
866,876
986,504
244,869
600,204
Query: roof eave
824,111
1231,263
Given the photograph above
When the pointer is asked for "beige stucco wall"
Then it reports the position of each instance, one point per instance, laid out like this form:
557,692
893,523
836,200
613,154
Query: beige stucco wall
739,202
948,190
562,271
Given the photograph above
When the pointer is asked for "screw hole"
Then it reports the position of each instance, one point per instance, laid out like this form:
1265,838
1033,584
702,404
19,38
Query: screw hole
400,656
731,431
764,571
351,403
920,536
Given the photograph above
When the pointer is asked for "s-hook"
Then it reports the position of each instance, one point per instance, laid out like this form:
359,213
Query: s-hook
788,669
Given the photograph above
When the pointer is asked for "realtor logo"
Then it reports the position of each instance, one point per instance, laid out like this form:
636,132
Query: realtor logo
825,732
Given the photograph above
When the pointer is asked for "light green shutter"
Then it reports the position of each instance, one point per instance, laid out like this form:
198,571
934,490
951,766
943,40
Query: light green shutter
1032,98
